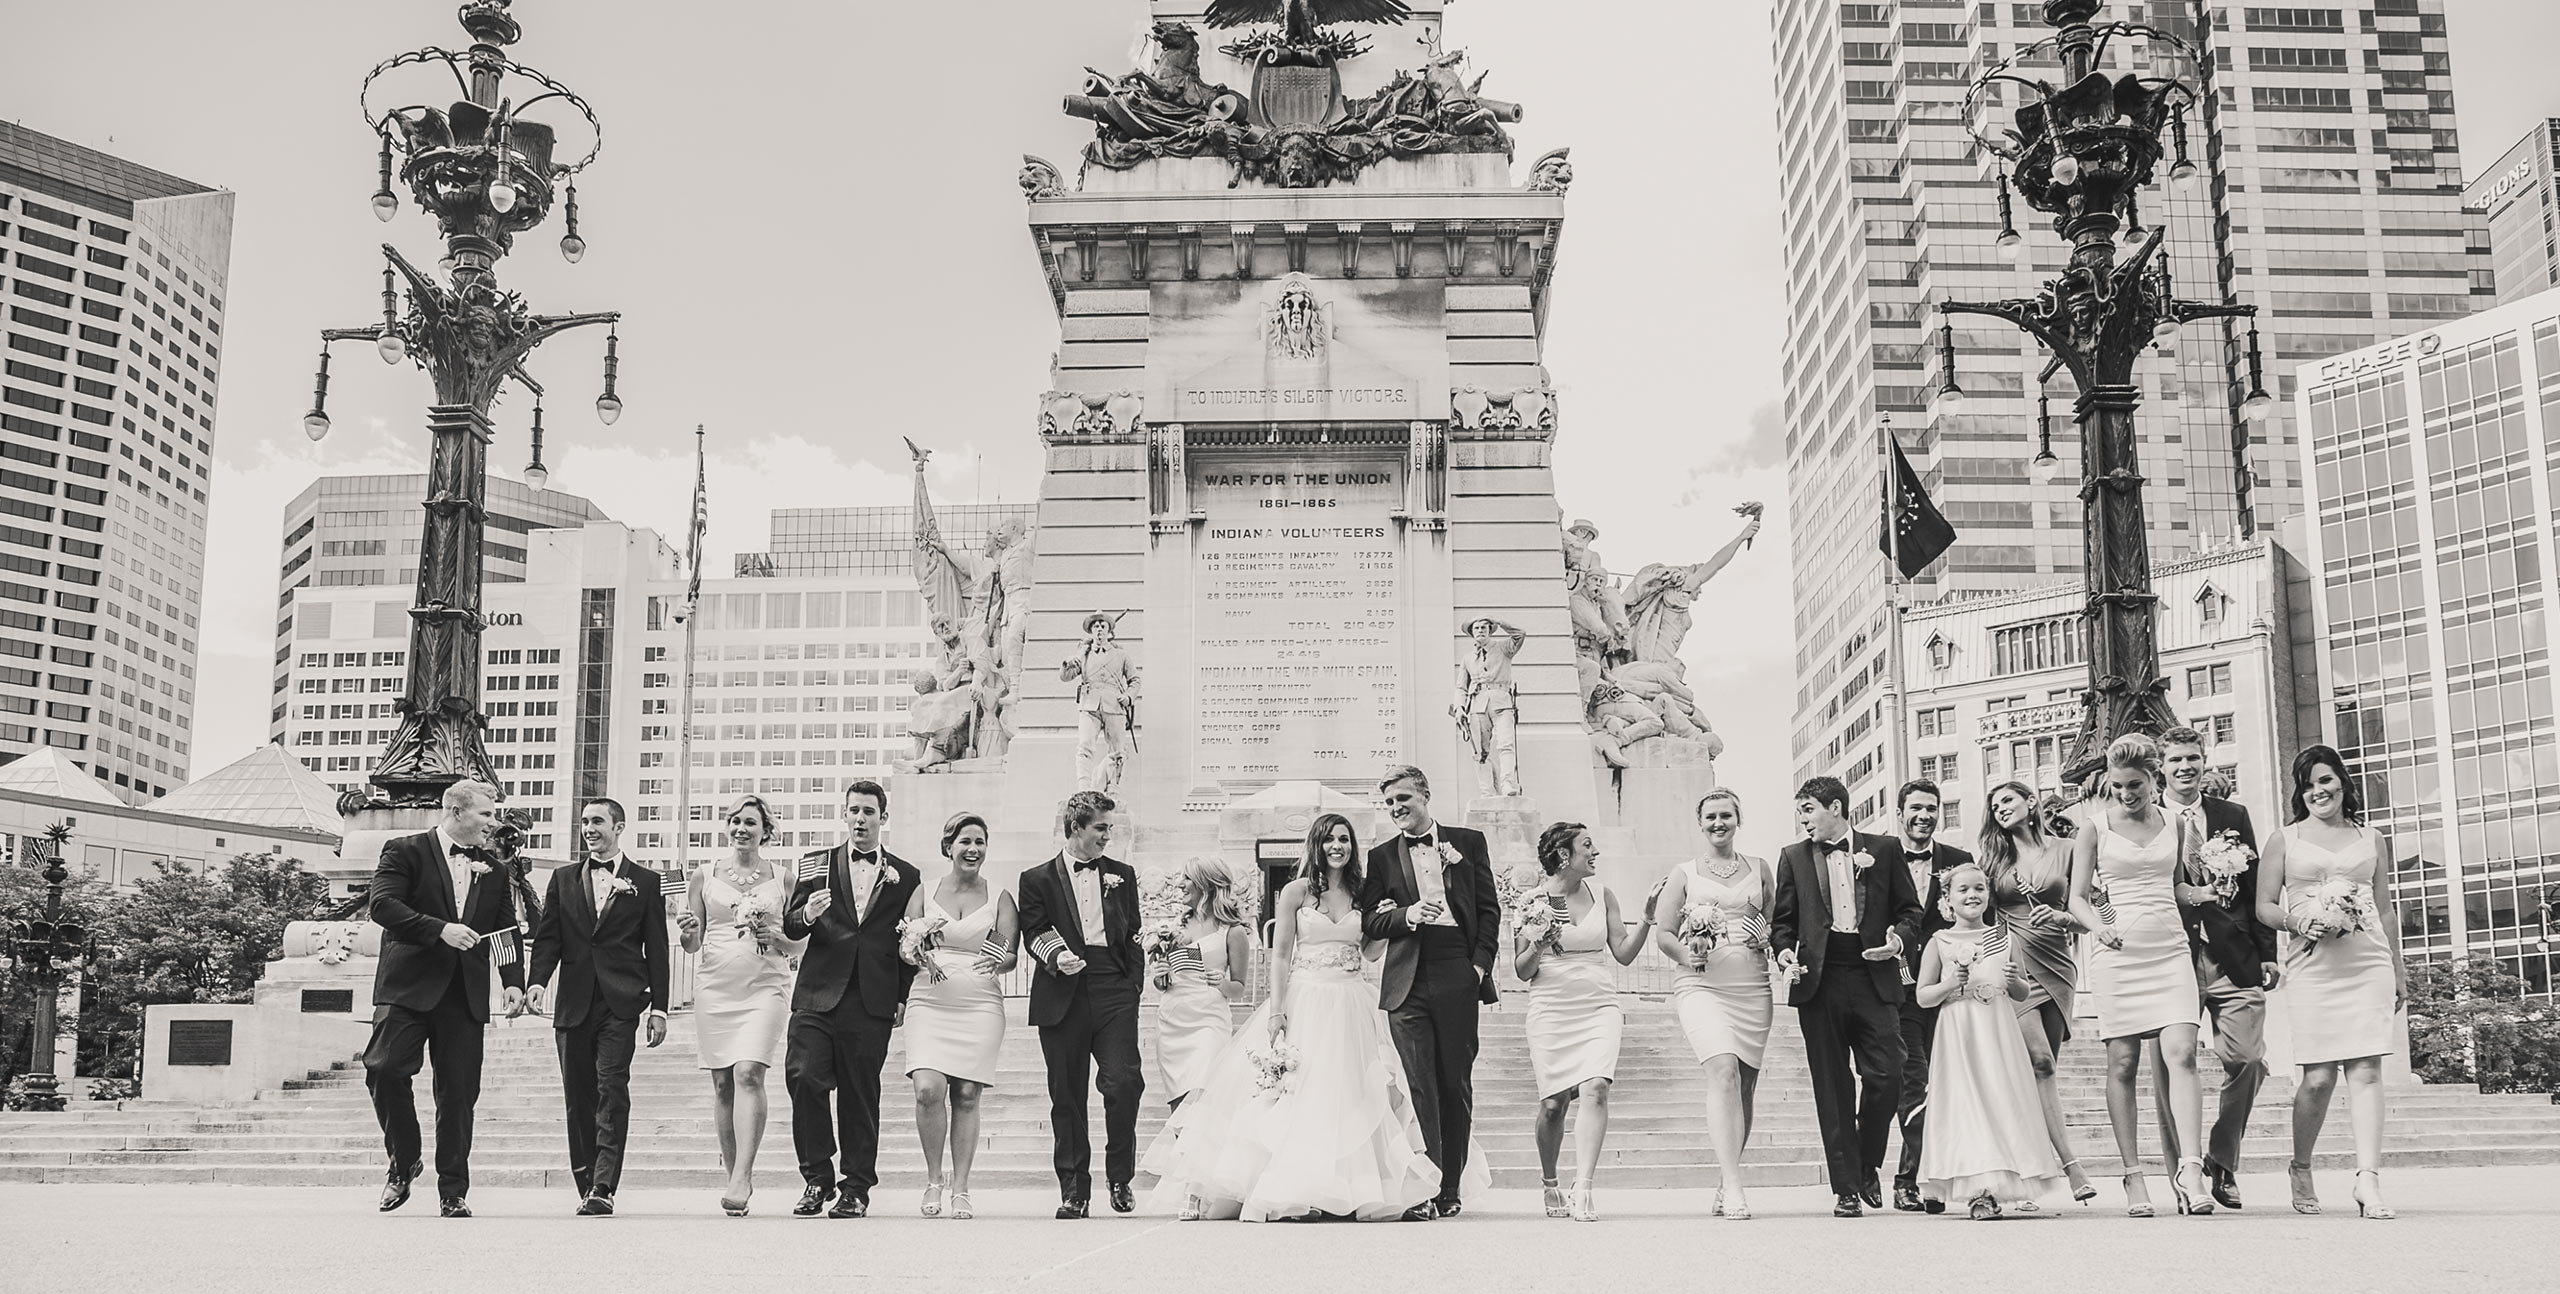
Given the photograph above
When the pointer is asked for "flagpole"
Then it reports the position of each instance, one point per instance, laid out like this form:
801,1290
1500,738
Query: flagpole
684,702
1896,698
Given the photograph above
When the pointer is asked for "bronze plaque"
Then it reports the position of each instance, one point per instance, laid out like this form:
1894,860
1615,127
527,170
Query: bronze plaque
1305,97
200,1042
328,1001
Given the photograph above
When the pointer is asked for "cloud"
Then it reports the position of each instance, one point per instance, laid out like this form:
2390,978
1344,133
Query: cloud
1763,444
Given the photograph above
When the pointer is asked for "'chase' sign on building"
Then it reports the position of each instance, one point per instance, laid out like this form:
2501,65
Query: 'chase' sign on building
2375,359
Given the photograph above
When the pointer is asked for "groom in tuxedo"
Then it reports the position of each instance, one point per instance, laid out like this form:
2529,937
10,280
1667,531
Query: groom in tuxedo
604,928
2235,962
1429,894
1928,859
438,897
1843,914
1079,918
852,991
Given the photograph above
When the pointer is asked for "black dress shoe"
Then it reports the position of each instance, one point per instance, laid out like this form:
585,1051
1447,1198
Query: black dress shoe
453,1207
1447,1208
1846,1206
1122,1200
1872,1191
395,1188
1423,1212
598,1205
1074,1206
813,1201
2225,1185
851,1206
1931,1206
1906,1199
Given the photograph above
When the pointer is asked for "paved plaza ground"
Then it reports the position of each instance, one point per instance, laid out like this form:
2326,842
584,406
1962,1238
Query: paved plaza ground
2472,1229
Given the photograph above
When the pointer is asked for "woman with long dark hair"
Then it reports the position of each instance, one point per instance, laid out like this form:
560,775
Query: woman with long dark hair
2326,883
2030,875
742,991
1305,1115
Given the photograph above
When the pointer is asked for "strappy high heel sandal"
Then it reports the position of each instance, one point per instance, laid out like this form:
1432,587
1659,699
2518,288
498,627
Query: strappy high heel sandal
2085,1191
2192,1199
1579,1201
1737,1209
1984,1208
2305,1199
1717,1209
1556,1205
932,1206
2136,1208
2373,1208
960,1210
1192,1209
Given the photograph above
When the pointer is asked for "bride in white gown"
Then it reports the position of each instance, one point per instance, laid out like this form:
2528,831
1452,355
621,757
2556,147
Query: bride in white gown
1336,1137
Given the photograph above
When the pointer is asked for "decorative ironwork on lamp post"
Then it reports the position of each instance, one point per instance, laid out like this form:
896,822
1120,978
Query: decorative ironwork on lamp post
45,950
486,172
2080,152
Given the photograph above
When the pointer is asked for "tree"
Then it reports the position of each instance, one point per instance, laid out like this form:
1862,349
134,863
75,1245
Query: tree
2470,1022
22,896
181,937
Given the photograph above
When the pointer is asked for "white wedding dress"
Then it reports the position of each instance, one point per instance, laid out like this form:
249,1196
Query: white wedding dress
1339,1136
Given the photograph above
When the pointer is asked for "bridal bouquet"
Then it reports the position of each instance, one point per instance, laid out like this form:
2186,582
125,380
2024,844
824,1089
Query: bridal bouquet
1273,1063
917,937
1702,926
1158,940
2225,860
753,913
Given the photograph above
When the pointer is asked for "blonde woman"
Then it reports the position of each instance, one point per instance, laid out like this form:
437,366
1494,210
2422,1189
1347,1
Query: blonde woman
1722,990
742,990
2030,874
1202,979
1574,1021
955,1020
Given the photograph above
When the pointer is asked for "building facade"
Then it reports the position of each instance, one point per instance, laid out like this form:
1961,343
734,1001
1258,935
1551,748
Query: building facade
2339,215
801,682
2432,461
115,277
263,803
2519,199
1995,680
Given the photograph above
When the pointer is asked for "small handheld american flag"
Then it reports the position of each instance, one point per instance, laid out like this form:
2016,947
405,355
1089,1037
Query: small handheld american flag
1048,945
813,866
991,948
1185,958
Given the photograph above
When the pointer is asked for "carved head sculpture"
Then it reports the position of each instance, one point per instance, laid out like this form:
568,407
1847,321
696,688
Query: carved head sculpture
1480,628
1038,178
1097,629
1005,534
925,683
1551,173
944,631
1296,159
1582,532
1179,46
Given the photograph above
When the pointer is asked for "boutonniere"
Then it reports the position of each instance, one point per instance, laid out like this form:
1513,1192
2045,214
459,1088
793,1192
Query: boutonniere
1862,860
617,888
1110,882
1449,855
477,868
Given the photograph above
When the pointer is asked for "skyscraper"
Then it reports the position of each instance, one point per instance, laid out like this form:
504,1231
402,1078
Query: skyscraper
116,275
2330,164
2519,201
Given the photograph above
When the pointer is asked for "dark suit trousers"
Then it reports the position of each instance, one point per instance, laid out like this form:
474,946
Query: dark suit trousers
595,1085
1919,1031
1847,1019
839,1052
1435,1033
1094,1045
401,1038
2240,1040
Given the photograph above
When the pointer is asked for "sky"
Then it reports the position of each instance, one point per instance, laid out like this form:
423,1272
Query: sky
807,214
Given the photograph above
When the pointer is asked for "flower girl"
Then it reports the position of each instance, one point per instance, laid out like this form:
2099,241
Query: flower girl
1987,1144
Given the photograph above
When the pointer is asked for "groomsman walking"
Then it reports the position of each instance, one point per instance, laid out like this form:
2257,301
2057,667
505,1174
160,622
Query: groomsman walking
1839,925
1429,894
604,928
1929,860
437,896
852,992
2235,962
1079,914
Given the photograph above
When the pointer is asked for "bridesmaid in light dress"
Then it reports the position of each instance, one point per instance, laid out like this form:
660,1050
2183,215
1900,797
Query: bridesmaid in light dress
2343,978
1195,1018
2143,973
955,1022
2030,874
1722,995
742,992
1574,1020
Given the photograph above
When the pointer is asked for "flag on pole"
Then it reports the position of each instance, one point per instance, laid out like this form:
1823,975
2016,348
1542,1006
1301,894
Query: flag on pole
1915,532
701,520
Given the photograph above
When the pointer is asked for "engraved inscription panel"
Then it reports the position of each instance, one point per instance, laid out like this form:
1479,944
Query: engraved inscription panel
1296,672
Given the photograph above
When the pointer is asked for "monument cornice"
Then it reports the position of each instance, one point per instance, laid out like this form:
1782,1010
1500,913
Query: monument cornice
1289,205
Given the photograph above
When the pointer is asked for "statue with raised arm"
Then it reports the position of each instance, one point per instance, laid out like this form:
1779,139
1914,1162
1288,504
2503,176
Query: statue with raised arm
1658,600
1488,708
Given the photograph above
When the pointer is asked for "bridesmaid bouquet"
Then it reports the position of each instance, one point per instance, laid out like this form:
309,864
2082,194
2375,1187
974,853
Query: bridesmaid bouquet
1702,927
917,937
2225,860
2341,905
1540,919
753,915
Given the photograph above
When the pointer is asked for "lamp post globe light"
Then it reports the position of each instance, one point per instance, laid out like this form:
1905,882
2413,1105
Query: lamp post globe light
2079,152
45,950
487,171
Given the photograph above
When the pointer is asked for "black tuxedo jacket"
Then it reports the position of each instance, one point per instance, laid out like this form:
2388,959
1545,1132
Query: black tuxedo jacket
412,899
1800,917
1388,888
615,958
1943,858
1045,901
2233,937
844,951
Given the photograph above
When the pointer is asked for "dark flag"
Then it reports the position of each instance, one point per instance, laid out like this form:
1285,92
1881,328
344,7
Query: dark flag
1915,532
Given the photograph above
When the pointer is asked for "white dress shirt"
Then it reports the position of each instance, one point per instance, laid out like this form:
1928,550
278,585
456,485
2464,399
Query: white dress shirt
456,869
1087,883
1844,894
862,875
1430,880
600,881
1920,865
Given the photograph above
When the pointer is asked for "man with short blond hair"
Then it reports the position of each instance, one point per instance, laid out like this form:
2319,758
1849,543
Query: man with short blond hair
2235,957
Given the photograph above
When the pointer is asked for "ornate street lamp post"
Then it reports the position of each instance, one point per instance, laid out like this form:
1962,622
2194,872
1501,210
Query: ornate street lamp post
46,951
487,173
2079,152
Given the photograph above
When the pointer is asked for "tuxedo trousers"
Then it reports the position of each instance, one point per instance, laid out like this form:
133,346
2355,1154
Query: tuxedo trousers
834,1058
399,1045
1434,1030
1919,1028
1094,1045
595,1088
2239,1016
1848,1023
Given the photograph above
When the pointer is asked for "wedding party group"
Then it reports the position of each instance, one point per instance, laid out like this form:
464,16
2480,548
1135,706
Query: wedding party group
1933,987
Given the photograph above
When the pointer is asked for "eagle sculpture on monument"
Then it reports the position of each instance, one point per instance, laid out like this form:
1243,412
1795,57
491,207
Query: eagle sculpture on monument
1300,19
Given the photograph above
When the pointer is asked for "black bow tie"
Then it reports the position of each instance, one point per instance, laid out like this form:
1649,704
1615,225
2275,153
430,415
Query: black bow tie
1418,842
602,864
1088,864
465,851
1923,856
1832,846
857,858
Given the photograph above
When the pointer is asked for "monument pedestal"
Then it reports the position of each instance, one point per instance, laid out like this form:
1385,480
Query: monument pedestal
313,1008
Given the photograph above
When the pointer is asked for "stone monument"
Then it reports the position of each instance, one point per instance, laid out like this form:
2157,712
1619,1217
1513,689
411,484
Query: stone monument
1300,441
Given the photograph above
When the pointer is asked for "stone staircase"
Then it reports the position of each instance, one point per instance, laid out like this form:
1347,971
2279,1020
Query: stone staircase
320,1129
